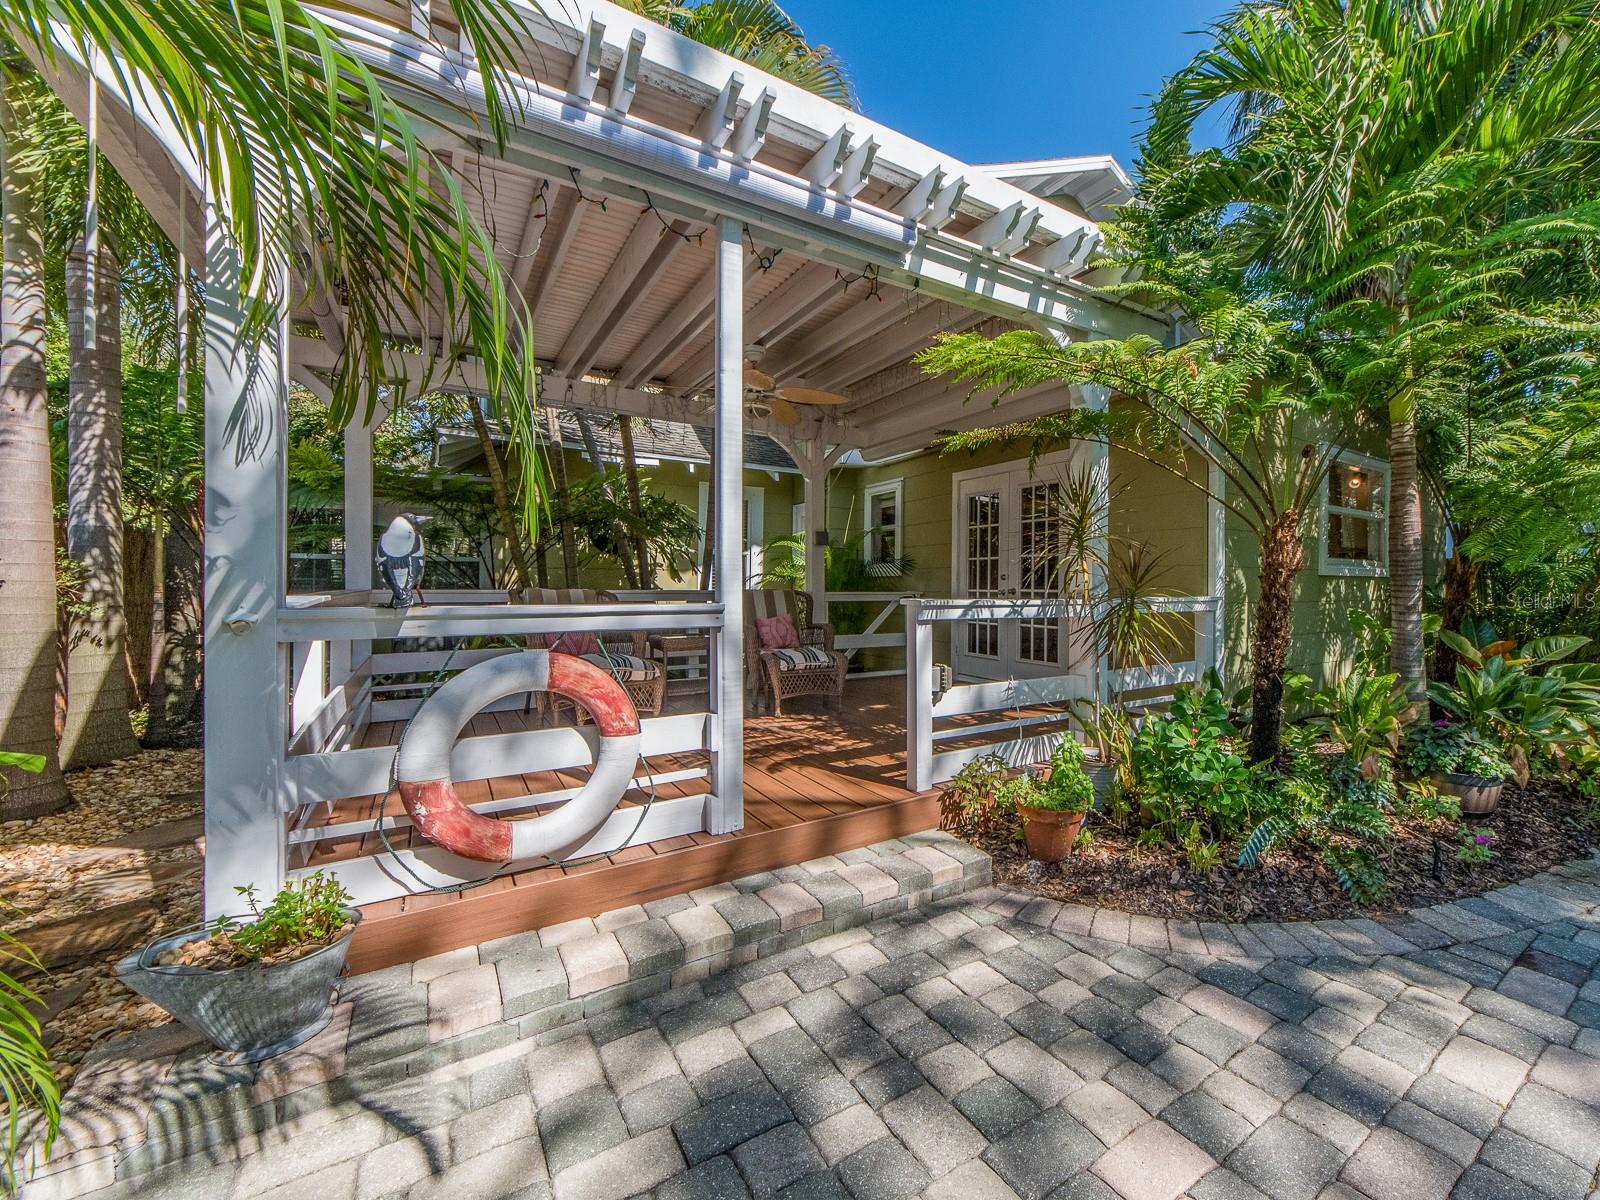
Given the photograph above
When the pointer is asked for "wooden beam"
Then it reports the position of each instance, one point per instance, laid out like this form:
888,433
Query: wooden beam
646,253
532,226
893,345
716,121
824,166
795,298
750,134
856,171
563,225
942,209
850,328
918,202
625,83
585,74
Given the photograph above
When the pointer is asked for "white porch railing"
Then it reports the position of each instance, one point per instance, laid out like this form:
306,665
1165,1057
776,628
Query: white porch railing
1051,694
324,761
875,636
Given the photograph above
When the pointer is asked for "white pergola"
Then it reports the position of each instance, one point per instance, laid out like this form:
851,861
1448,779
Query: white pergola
668,213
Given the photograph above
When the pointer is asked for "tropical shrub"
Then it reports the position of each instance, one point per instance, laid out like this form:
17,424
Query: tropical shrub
1191,778
1339,806
1364,714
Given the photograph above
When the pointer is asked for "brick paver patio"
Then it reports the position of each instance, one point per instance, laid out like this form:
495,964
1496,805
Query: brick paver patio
983,1045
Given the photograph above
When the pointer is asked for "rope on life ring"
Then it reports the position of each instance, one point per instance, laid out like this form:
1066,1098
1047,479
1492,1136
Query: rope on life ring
422,766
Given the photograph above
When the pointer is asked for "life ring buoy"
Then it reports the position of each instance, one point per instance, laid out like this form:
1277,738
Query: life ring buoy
422,765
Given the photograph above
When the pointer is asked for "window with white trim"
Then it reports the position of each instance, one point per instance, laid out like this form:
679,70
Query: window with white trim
885,507
1354,532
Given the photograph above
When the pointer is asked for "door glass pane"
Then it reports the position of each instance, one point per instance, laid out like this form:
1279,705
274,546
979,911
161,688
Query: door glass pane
983,568
1038,517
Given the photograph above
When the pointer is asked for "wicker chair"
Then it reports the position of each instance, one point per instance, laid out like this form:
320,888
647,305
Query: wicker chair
815,668
629,657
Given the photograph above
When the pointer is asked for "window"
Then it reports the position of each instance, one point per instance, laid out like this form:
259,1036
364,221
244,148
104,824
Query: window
1355,526
884,515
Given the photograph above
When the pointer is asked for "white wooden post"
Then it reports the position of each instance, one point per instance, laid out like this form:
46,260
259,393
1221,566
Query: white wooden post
726,810
308,666
815,477
919,698
1097,399
245,705
358,547
1217,564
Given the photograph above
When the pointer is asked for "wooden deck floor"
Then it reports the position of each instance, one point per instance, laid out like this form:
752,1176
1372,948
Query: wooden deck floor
816,782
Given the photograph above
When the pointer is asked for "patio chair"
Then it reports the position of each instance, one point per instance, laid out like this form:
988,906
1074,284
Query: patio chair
629,657
810,668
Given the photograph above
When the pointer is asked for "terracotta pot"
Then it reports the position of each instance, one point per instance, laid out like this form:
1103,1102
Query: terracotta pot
1479,794
1049,832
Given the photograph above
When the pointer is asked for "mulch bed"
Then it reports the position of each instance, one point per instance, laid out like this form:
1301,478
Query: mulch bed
1536,828
115,868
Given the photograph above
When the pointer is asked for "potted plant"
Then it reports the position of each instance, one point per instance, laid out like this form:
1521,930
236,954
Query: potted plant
1052,808
1461,762
253,988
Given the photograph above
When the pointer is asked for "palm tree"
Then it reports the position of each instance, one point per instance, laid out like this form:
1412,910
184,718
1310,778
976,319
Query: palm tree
98,729
760,33
27,531
1373,141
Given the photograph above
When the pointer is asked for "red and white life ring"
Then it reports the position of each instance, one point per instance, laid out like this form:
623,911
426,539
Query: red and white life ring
422,766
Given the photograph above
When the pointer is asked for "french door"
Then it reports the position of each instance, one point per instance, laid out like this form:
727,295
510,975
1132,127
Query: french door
1005,529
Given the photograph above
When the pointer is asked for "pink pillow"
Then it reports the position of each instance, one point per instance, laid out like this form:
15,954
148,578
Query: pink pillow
573,643
777,633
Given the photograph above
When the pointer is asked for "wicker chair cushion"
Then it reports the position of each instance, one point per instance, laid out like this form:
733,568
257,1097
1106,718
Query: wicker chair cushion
801,658
777,633
624,668
583,644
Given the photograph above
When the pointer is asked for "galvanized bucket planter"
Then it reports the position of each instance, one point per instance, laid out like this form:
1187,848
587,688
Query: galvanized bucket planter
248,1013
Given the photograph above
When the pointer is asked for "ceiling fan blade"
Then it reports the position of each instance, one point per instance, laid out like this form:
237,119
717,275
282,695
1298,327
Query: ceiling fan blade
800,395
782,411
758,379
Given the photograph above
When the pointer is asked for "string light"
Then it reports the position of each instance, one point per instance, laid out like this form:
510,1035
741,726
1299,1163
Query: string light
870,274
763,261
578,188
697,239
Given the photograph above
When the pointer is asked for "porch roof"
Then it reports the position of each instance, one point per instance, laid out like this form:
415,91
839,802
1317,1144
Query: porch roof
630,142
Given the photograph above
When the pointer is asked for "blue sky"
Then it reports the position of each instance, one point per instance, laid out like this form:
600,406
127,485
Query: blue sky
1011,79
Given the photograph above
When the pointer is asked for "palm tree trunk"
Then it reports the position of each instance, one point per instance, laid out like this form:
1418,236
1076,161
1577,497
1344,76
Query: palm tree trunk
1282,554
1405,557
630,468
558,476
522,576
1460,581
27,530
98,728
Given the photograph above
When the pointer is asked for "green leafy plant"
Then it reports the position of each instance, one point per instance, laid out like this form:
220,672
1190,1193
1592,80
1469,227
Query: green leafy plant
307,914
1446,748
1364,713
1203,855
26,1081
1190,775
1068,787
1335,805
968,803
1475,848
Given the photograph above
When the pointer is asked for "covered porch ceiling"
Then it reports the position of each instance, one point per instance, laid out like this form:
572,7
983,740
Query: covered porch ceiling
632,141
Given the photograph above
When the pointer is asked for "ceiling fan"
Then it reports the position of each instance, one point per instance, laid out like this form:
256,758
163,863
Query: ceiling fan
764,397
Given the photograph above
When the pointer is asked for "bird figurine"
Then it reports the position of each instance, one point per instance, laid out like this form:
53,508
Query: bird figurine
401,559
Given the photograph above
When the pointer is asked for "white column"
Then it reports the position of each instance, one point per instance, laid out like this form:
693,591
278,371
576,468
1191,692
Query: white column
815,477
726,810
919,698
245,697
344,657
1097,399
1216,568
